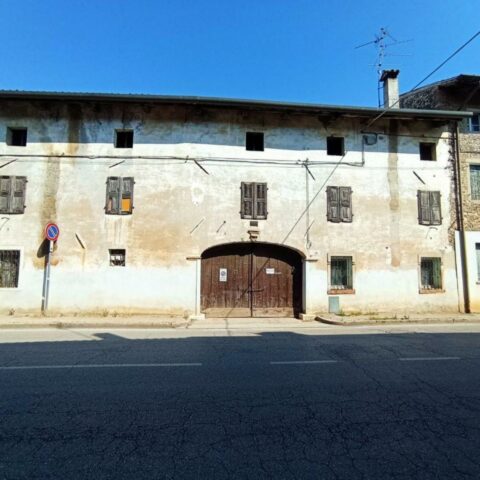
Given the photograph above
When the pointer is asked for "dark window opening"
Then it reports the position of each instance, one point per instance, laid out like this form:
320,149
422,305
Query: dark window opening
119,199
9,268
427,151
253,202
117,257
341,277
254,141
123,138
335,146
17,137
431,273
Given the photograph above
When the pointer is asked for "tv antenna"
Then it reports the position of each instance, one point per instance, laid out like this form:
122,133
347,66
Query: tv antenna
381,42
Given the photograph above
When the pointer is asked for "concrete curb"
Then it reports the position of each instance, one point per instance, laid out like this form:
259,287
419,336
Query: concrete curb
93,324
408,321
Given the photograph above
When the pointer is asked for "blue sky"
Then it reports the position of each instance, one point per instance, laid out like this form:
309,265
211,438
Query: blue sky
292,50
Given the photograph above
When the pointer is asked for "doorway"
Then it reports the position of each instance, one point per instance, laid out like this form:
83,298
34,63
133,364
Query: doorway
251,280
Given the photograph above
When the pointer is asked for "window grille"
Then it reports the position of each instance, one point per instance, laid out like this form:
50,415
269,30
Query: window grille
341,277
431,273
9,268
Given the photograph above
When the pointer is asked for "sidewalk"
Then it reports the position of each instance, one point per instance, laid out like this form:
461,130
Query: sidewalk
151,321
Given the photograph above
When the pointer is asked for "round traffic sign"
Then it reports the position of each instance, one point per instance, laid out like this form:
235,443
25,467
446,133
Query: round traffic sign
52,232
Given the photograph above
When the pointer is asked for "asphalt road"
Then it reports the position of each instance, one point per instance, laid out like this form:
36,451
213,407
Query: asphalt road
310,404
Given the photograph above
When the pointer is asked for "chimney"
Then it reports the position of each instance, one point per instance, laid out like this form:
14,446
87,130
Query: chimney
390,88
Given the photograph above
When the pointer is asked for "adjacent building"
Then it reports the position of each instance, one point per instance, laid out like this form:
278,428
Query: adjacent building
461,93
199,206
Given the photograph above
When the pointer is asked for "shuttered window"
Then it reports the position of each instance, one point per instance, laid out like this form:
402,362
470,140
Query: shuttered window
253,200
12,194
9,268
339,204
429,210
341,277
119,196
475,182
430,273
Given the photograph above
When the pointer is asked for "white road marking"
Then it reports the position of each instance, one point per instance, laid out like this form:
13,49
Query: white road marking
427,359
105,365
301,362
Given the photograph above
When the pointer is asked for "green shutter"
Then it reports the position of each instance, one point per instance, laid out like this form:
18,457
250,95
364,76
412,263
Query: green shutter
333,204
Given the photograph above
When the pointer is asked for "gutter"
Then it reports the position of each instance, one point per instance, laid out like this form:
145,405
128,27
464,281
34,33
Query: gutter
461,227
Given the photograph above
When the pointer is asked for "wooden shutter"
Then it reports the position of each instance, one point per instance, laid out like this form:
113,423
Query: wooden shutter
333,204
18,186
5,188
260,200
435,209
424,211
112,205
437,272
345,204
127,195
246,207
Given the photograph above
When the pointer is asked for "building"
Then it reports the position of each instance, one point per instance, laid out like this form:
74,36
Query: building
191,206
461,93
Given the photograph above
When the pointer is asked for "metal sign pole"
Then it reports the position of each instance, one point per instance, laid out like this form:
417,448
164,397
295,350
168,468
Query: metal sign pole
46,278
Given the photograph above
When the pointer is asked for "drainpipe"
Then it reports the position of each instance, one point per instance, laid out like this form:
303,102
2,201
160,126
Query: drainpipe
461,228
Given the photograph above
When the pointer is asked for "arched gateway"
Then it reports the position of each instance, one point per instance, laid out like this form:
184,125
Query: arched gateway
251,279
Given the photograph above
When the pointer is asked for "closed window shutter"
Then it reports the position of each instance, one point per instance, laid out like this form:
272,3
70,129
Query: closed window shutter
436,213
333,204
127,195
260,200
5,188
345,204
113,195
18,194
475,181
424,217
246,207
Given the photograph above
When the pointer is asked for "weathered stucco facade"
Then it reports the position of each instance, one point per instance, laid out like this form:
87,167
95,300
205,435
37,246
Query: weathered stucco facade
188,161
460,93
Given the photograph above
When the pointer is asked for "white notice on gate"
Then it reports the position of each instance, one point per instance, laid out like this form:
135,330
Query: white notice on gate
270,271
222,276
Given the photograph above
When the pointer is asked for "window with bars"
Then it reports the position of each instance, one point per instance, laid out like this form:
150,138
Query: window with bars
12,194
429,210
119,196
339,204
9,268
475,182
253,200
430,273
117,257
341,273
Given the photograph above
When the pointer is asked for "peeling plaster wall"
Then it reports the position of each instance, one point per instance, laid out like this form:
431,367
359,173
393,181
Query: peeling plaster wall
179,211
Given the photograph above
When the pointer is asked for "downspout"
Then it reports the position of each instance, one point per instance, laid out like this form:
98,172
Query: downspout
461,228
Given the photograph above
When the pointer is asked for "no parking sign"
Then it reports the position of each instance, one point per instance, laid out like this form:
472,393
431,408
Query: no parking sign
52,232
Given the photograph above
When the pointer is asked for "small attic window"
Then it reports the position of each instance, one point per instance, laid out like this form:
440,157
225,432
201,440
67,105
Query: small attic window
335,146
427,151
123,138
17,137
254,141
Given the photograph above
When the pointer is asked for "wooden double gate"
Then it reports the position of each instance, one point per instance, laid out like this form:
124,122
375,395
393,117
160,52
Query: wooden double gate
251,279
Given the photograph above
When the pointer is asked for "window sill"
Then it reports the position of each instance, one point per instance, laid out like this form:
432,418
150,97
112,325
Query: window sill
341,291
424,291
